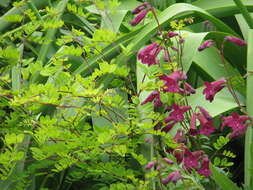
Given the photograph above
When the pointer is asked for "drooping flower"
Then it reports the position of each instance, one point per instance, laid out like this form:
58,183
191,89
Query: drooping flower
136,20
190,160
150,165
166,55
180,137
205,113
168,161
172,34
237,123
205,170
213,87
155,95
171,81
173,177
168,127
178,113
235,40
193,130
140,8
206,126
189,89
205,44
148,54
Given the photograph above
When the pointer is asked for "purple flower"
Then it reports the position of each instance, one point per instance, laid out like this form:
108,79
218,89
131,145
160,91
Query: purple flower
148,54
193,130
236,41
172,34
178,75
150,165
205,170
168,127
180,137
206,44
168,161
189,89
205,113
139,17
236,122
213,87
206,125
140,8
178,113
173,177
155,95
190,160
166,55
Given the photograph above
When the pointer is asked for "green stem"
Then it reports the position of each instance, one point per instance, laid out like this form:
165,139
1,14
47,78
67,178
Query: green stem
249,105
244,12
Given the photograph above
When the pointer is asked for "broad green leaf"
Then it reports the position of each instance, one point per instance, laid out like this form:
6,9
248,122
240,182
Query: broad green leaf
222,8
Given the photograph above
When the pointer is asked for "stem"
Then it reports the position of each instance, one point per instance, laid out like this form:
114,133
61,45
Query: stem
245,13
249,105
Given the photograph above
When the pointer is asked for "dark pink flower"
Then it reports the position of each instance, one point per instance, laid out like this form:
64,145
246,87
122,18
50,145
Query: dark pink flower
139,17
206,126
236,122
236,41
213,87
193,130
178,75
150,165
168,161
155,95
179,154
180,137
148,54
178,113
205,113
173,177
172,34
206,44
168,127
140,8
189,89
190,161
205,170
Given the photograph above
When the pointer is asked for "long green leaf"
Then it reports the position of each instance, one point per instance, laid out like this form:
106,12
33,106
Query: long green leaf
223,181
248,177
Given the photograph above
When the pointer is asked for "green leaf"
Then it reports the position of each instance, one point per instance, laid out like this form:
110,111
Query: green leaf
223,181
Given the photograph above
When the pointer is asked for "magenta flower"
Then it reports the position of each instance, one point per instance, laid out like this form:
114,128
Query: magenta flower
168,161
168,127
178,113
155,95
139,17
206,44
236,122
205,113
180,137
206,125
173,177
150,165
189,89
213,87
172,34
190,161
236,41
205,170
148,54
193,130
140,8
178,75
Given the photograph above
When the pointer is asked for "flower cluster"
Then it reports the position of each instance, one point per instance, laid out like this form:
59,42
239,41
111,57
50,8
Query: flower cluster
194,122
